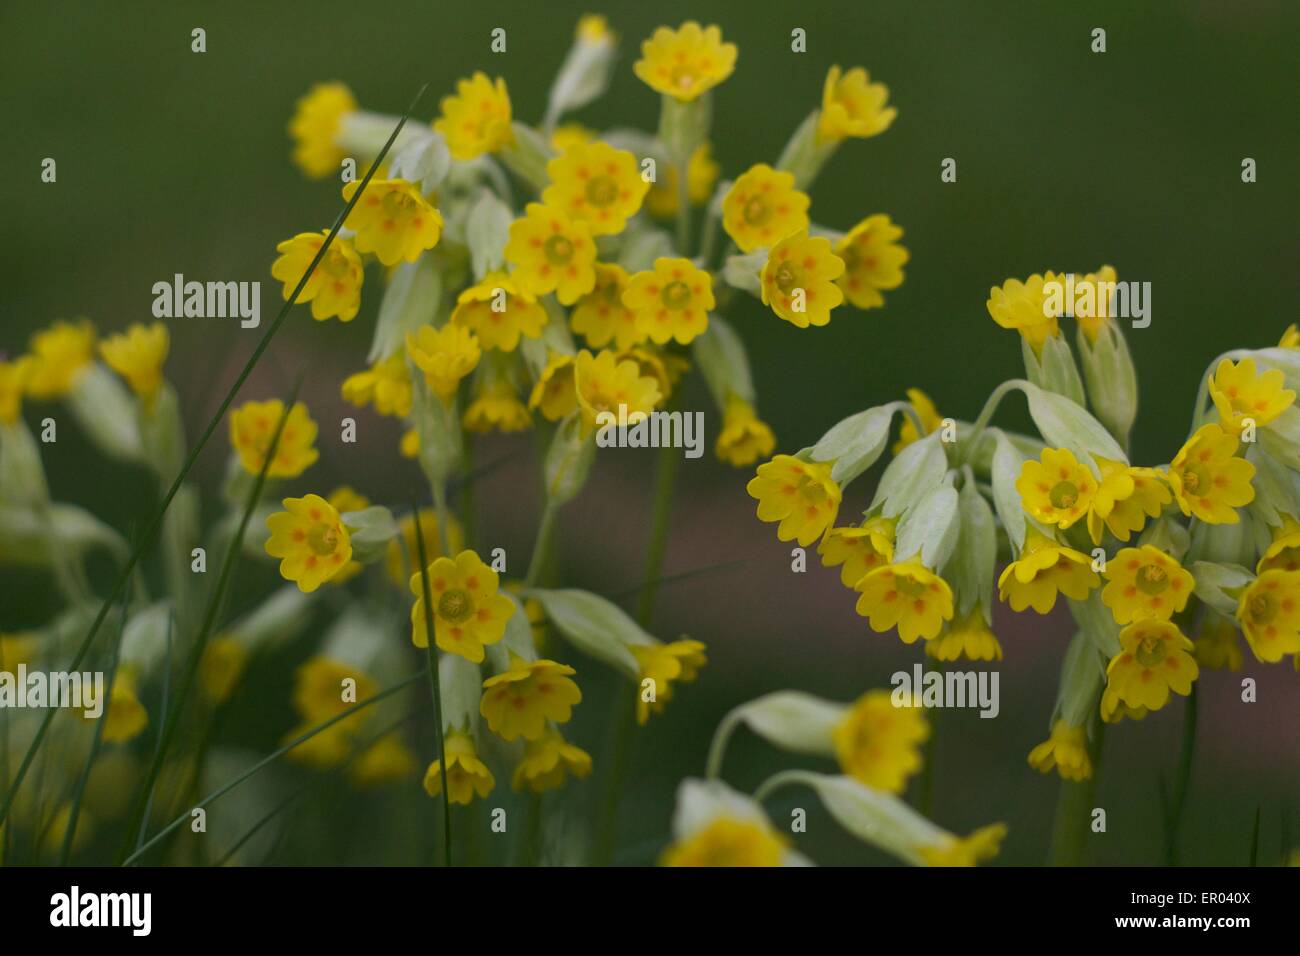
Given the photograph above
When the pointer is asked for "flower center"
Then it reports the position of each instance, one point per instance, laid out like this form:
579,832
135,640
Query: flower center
1064,494
601,190
787,277
1261,609
455,605
676,295
323,538
558,250
336,264
757,211
683,78
1152,579
397,204
1150,650
1194,477
909,586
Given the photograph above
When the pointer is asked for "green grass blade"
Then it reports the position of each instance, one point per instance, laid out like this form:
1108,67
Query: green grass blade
678,578
431,649
166,704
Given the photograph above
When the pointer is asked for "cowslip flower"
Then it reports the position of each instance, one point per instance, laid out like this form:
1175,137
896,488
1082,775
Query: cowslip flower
1217,647
662,664
603,383
314,126
344,499
1126,497
1269,614
879,744
1240,393
701,173
325,749
125,718
873,261
970,637
801,495
1208,479
496,407
1113,710
970,850
671,301
13,382
596,183
318,688
223,664
551,253
310,539
744,437
334,287
907,596
664,367
253,425
1023,306
476,119
59,355
467,775
1044,569
1154,659
763,207
728,842
404,549
138,355
555,393
386,761
468,610
1057,489
519,701
686,62
1145,583
444,355
798,280
386,385
499,312
1283,552
548,761
1290,338
925,410
601,317
853,106
858,549
392,220
1091,287
1066,752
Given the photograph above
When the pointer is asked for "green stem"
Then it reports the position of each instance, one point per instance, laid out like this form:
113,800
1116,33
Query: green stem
990,406
683,207
1074,808
541,547
665,485
1184,777
431,656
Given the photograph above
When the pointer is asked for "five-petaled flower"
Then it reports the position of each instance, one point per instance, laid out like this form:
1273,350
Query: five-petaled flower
468,609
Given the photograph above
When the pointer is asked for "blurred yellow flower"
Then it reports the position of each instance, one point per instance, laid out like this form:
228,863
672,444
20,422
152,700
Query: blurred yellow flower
798,280
444,355
570,134
762,207
403,551
498,311
551,253
1290,338
671,301
853,106
223,664
1241,394
686,62
925,411
311,541
873,261
879,744
661,665
13,382
58,356
604,382
1208,479
548,761
519,701
555,393
1066,752
1217,647
971,850
1154,659
324,688
596,183
906,595
334,287
387,760
799,494
468,611
476,120
138,355
727,842
125,717
744,437
701,173
496,407
315,125
392,220
601,317
466,775
253,426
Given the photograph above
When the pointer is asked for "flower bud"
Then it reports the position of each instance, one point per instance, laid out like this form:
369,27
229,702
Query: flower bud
1112,380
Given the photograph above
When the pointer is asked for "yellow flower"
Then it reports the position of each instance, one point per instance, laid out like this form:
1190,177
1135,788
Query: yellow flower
1023,306
1043,569
686,62
444,355
1217,647
518,702
763,207
125,717
1153,660
596,183
386,761
873,261
799,494
925,411
59,355
1113,710
223,664
879,744
326,748
551,253
1240,394
13,382
981,845
555,392
664,367
1269,614
253,425
318,688
311,541
858,549
570,134
744,437
468,611
1283,551
798,280
661,664
853,106
334,287
392,220
409,446
17,649
496,406
908,596
1145,583
547,761
1208,480
701,174
1290,338
315,125
970,637
386,385
603,383
499,328
1066,751
345,500
466,776
1057,489
138,355
671,301
600,315
727,842
476,120
403,552
1093,324
1126,496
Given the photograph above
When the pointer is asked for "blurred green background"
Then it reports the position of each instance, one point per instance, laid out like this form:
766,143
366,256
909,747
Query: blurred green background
170,161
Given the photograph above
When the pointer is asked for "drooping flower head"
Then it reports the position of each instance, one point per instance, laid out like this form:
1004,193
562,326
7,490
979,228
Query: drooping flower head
853,106
925,410
1145,584
310,539
468,610
519,701
603,382
763,207
1044,569
662,665
555,392
1024,306
499,312
873,261
59,355
799,280
548,761
467,775
315,126
496,407
444,355
801,495
1126,497
138,355
1241,394
905,595
744,437
596,183
1283,552
686,62
600,315
1269,614
1066,752
728,842
671,301
392,220
1154,659
880,744
1208,479
334,287
476,119
859,549
386,385
252,427
551,253
969,637
1217,646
